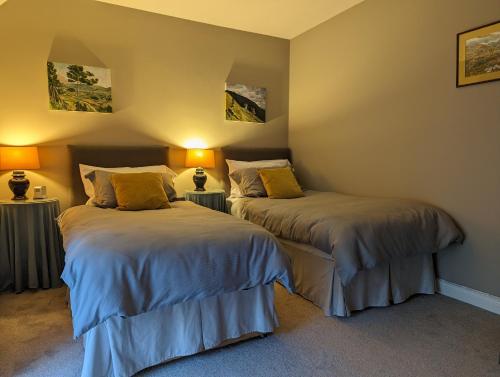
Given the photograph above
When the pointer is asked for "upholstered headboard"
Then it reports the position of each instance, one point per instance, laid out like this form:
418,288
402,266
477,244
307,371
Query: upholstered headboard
110,157
252,154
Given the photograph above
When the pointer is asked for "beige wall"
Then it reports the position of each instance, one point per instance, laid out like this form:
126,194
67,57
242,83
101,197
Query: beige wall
168,83
373,104
374,111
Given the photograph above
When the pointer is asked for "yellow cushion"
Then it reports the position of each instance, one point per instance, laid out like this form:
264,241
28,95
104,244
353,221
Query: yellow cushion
139,191
280,183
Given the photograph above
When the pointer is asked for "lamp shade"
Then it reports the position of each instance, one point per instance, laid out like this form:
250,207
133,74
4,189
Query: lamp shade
200,158
13,158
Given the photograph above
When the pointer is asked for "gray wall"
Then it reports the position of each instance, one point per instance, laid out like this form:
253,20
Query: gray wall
374,111
168,83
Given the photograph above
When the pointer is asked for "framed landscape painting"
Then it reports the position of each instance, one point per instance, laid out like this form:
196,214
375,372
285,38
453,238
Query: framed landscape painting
75,87
478,55
245,103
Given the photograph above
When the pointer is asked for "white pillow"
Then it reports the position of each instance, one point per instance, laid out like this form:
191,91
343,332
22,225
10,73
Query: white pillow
236,165
89,187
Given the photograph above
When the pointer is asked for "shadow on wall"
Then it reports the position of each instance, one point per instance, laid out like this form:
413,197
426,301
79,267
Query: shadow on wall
73,51
110,134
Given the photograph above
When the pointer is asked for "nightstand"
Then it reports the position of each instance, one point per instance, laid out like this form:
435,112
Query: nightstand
31,253
214,199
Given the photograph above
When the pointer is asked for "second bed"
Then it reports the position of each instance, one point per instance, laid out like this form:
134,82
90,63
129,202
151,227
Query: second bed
349,253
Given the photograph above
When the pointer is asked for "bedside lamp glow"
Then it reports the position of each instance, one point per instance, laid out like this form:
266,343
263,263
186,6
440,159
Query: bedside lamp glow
17,159
199,159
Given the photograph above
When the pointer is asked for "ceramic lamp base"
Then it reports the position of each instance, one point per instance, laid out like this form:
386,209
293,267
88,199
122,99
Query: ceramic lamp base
199,179
19,185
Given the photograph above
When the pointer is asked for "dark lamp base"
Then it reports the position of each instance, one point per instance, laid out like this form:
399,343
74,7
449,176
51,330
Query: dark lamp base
19,184
199,179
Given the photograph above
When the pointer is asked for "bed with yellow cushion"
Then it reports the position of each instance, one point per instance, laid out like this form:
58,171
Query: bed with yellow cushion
153,279
348,253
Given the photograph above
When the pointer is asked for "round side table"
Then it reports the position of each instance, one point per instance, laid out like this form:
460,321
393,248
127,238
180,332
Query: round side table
214,199
31,252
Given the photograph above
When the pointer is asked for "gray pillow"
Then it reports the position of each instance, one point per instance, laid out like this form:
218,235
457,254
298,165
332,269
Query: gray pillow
249,182
168,185
104,193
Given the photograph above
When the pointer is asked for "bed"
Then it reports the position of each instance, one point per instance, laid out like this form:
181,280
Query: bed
151,286
349,253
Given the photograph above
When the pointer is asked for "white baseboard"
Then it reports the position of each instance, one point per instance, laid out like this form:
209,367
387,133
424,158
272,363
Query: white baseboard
469,295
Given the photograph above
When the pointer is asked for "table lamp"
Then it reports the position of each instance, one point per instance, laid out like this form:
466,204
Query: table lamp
17,158
199,159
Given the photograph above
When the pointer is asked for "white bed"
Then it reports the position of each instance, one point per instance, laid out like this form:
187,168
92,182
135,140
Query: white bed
141,334
383,247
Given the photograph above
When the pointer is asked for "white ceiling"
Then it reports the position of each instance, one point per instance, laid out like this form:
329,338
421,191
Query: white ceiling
278,18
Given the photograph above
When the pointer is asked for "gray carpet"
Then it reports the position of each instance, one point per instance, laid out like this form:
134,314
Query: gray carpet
427,336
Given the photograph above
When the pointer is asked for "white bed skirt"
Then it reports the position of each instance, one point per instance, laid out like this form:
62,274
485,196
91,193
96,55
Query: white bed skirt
124,346
317,280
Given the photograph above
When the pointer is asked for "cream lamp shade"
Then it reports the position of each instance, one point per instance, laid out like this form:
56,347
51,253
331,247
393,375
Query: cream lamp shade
19,158
200,158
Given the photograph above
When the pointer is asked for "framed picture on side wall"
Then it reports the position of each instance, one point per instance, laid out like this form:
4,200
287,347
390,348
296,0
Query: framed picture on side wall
478,55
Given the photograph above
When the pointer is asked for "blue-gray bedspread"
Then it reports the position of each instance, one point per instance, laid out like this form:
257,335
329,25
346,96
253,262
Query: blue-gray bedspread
127,263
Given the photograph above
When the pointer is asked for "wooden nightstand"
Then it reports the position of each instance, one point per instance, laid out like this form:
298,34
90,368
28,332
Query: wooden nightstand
31,253
214,199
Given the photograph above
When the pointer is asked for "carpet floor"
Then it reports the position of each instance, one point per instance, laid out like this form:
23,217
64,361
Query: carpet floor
426,336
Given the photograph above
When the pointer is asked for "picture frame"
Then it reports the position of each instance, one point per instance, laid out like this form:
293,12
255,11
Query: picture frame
478,55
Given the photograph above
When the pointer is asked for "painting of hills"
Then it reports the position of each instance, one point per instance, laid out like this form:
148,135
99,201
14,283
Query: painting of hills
245,103
482,55
79,88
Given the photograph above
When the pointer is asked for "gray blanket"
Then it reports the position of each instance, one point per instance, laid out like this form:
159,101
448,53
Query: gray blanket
357,232
126,263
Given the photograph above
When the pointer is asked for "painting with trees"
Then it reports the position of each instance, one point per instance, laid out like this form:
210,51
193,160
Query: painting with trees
79,88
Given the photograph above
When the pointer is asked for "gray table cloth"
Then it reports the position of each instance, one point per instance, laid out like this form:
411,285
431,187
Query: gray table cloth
31,253
215,199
